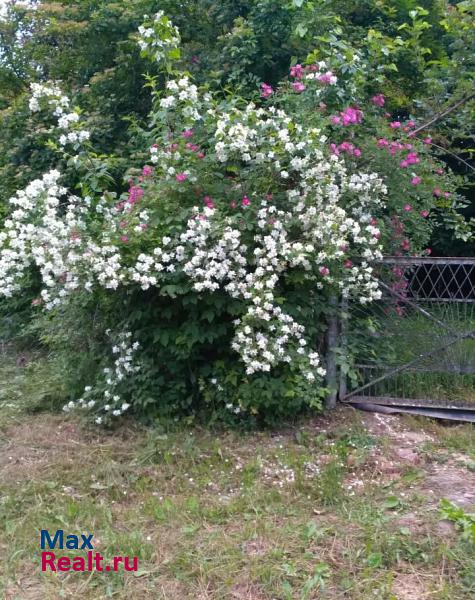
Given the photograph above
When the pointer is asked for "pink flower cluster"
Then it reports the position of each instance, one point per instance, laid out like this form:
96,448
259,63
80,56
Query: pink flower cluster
349,116
298,86
347,147
208,202
244,202
266,90
378,100
407,127
393,146
195,148
298,72
327,78
411,159
135,194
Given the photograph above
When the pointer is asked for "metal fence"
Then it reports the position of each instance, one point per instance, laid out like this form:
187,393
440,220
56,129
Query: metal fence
415,347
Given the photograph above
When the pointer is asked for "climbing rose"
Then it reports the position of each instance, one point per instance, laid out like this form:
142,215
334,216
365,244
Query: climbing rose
266,90
298,86
378,100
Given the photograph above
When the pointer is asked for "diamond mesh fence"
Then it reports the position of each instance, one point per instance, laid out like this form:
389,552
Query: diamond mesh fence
415,346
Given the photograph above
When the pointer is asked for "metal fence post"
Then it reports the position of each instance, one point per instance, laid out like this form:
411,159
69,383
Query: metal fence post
332,341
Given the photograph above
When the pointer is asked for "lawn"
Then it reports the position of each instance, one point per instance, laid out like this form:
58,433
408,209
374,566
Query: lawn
339,506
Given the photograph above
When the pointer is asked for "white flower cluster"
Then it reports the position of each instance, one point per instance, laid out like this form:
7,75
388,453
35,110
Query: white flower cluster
55,100
111,404
317,216
40,232
159,38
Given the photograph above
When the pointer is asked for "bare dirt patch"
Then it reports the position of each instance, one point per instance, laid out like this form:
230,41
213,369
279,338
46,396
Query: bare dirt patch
451,482
246,590
409,586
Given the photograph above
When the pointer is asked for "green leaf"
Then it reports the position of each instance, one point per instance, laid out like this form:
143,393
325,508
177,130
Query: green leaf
392,502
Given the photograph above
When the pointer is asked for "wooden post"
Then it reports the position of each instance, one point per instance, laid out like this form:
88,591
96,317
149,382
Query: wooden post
332,341
343,388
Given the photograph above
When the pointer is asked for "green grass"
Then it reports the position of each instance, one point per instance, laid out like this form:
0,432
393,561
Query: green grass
301,513
393,340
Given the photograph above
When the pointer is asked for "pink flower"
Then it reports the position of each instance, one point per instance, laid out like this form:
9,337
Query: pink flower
412,158
411,124
266,90
124,238
327,78
424,213
135,193
351,116
335,120
208,202
407,208
437,192
147,171
298,86
382,143
181,177
200,155
395,125
428,140
378,100
416,180
269,196
348,263
403,164
405,244
357,152
297,71
447,194
324,271
245,201
233,204
428,251
187,133
122,224
439,171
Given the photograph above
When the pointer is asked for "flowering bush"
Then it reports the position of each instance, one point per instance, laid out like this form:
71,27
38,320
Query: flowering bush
244,216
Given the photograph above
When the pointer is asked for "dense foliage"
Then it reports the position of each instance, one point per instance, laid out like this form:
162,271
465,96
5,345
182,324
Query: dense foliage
185,227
